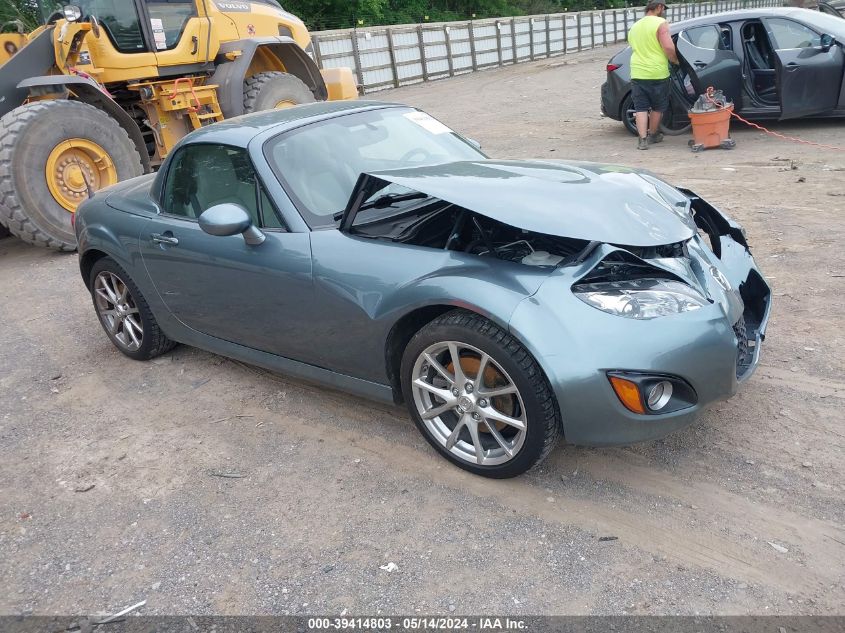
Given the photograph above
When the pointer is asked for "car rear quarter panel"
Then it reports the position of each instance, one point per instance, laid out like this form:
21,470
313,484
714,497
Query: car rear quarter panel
111,223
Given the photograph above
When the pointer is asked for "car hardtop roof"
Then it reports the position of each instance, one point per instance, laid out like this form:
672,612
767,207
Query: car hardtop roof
240,130
739,14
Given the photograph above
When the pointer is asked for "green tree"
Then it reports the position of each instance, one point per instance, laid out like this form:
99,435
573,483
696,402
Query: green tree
24,12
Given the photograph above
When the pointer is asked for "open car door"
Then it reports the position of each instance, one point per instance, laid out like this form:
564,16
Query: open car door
809,68
708,62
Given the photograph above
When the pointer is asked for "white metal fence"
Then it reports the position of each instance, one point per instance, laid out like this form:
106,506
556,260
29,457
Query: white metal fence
392,56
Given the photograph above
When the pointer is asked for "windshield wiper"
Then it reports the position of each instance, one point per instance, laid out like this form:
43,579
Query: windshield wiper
389,199
386,201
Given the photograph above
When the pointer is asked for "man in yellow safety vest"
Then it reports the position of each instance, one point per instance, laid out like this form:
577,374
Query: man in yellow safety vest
653,49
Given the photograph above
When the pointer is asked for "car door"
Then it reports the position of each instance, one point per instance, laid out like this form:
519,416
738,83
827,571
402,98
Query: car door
708,62
259,296
809,74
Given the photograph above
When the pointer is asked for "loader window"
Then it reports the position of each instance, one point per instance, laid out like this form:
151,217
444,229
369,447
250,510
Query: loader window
168,19
120,21
203,175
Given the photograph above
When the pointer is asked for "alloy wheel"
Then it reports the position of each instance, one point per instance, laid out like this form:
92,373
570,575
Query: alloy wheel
469,403
118,311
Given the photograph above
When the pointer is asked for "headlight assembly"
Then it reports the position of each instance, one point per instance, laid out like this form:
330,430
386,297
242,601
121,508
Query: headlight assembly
640,298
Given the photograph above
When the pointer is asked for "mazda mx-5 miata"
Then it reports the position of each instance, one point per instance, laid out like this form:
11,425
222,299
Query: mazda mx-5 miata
368,247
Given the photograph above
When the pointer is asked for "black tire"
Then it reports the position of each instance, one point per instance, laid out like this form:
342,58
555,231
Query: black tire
626,114
153,341
27,136
668,125
543,423
265,91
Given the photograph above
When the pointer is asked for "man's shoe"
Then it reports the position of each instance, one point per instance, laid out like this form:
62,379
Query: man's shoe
642,143
655,138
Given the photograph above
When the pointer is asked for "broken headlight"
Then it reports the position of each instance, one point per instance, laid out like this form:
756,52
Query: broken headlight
640,298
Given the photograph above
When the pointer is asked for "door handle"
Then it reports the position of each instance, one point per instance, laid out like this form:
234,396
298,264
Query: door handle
699,64
158,238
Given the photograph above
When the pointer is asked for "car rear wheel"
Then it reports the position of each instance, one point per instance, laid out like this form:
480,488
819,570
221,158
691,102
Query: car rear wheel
626,113
124,313
478,396
670,125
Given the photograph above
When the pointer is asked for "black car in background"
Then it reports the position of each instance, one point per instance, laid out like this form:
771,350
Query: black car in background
776,63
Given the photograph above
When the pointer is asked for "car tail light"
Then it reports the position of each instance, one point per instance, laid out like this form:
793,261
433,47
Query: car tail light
612,67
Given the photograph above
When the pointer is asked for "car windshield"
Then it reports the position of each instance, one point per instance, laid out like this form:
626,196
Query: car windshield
319,164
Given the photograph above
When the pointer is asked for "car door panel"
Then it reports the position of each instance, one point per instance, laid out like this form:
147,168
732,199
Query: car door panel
714,67
257,296
809,80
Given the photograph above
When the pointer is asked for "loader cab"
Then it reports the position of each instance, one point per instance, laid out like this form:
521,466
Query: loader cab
134,26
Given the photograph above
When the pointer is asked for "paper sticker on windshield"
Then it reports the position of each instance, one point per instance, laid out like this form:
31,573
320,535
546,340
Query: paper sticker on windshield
428,123
157,24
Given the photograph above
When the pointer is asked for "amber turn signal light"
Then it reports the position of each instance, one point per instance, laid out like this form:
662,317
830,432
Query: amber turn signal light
628,393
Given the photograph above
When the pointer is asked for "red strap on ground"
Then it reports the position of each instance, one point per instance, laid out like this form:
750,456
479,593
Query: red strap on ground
794,139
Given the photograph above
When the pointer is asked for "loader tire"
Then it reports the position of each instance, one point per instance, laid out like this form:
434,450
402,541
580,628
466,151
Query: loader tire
66,143
271,90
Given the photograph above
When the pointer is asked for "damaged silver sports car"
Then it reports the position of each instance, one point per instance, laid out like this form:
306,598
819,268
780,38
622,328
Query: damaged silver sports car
367,247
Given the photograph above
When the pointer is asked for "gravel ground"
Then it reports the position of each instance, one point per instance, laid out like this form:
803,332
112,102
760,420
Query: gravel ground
107,496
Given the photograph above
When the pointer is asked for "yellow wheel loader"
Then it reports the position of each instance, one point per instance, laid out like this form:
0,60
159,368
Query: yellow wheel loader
105,88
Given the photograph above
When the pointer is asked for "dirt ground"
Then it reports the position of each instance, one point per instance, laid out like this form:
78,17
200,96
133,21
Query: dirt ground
740,514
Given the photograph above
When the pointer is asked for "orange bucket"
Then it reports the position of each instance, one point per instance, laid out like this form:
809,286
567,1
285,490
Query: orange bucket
711,129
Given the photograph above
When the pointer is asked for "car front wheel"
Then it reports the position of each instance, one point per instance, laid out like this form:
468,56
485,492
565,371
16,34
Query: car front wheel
478,396
124,313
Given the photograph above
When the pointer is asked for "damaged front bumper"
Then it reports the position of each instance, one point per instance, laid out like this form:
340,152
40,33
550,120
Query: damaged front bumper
713,349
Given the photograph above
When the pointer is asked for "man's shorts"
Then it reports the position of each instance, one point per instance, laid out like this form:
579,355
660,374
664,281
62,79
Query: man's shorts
650,94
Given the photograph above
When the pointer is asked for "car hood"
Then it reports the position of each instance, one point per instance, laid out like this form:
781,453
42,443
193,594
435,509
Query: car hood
587,201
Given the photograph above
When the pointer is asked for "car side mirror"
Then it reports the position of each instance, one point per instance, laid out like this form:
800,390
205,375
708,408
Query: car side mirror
827,41
228,219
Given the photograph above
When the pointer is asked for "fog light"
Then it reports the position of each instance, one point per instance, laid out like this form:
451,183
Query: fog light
651,394
659,395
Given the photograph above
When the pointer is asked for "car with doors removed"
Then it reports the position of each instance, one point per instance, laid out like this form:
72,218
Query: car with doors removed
776,63
368,247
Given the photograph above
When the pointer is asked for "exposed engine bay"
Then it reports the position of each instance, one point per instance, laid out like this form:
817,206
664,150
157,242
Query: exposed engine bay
438,224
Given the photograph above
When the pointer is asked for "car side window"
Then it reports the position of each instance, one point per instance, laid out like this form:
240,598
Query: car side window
788,34
707,37
204,175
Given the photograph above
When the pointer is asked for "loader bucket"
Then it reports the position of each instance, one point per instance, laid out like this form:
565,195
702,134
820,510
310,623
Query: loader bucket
33,60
